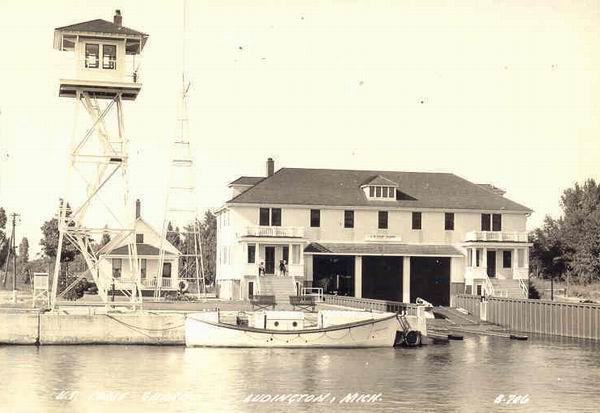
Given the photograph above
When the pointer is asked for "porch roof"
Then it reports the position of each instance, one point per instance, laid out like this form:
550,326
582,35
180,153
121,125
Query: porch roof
369,248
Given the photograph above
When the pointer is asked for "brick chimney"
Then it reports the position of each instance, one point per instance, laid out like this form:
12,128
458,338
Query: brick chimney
138,208
270,167
118,19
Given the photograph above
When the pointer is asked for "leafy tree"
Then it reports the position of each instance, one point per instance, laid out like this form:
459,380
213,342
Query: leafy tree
571,244
24,250
3,238
208,236
174,236
105,239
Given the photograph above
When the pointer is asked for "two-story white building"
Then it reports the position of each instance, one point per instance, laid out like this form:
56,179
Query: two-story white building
372,234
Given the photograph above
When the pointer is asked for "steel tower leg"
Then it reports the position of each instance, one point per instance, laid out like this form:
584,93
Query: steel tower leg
96,158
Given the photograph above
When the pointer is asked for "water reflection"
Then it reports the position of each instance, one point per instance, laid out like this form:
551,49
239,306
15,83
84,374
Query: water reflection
557,374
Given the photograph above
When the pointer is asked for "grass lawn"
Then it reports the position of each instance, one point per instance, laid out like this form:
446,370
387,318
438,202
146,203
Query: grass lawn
571,292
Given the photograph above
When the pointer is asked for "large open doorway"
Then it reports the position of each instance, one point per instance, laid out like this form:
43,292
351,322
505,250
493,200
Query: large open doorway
491,263
334,273
382,278
269,260
430,279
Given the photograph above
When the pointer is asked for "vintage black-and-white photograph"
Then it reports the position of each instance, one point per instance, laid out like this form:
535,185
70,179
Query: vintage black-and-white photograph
299,206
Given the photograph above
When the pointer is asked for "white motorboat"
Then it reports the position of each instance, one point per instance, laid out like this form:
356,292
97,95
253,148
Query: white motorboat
333,329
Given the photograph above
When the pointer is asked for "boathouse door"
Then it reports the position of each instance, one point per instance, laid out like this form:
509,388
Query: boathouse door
269,260
491,263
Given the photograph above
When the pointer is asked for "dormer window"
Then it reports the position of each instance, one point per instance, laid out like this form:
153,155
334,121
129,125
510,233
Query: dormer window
382,192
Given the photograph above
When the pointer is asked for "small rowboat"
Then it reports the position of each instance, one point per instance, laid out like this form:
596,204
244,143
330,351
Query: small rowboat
372,330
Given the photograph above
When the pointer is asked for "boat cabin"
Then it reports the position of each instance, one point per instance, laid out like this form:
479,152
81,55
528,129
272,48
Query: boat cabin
104,62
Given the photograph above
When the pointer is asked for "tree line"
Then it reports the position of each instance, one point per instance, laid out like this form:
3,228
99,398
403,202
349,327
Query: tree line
569,246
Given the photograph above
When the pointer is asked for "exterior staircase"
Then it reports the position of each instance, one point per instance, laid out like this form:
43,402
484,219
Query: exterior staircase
280,287
507,288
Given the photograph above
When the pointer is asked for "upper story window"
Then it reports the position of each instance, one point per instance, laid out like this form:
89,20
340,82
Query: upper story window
348,219
92,55
263,219
382,192
109,56
269,217
276,217
449,221
382,220
139,238
315,218
496,222
416,220
491,222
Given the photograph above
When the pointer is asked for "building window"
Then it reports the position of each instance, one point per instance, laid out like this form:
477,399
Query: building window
251,254
372,191
109,56
295,254
315,218
506,259
378,191
264,217
416,220
392,192
166,270
92,55
276,217
449,221
496,222
286,254
143,265
117,264
521,258
383,220
485,222
477,257
348,219
139,238
384,193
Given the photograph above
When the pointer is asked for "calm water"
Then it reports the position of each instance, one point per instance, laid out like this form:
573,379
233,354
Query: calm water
559,375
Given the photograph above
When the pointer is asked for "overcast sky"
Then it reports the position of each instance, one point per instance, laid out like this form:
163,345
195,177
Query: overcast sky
502,92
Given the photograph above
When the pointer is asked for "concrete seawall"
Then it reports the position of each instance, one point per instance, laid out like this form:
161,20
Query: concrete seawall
111,328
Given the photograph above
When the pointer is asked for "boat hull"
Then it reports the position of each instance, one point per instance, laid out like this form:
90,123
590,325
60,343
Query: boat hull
379,332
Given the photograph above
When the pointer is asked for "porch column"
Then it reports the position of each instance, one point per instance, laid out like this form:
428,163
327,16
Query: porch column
484,259
406,280
473,257
515,261
358,276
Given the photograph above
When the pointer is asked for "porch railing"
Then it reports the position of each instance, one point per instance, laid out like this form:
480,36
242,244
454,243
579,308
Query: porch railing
289,232
313,291
498,236
151,282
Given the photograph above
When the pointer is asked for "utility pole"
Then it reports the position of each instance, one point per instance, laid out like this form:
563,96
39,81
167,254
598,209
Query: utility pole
12,249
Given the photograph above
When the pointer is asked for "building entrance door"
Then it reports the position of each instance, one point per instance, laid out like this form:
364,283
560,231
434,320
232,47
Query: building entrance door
269,260
491,263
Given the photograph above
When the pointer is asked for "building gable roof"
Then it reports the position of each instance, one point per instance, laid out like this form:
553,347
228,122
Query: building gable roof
247,180
100,26
120,247
331,187
380,181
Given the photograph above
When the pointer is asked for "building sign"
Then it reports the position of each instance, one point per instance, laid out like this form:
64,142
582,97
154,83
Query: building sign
383,238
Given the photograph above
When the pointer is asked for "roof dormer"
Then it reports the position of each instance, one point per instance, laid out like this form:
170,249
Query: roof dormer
380,188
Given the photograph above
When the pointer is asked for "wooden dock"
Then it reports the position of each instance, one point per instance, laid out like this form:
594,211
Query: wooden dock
452,323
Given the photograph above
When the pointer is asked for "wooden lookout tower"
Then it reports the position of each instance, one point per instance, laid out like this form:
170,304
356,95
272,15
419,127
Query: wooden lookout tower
100,76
